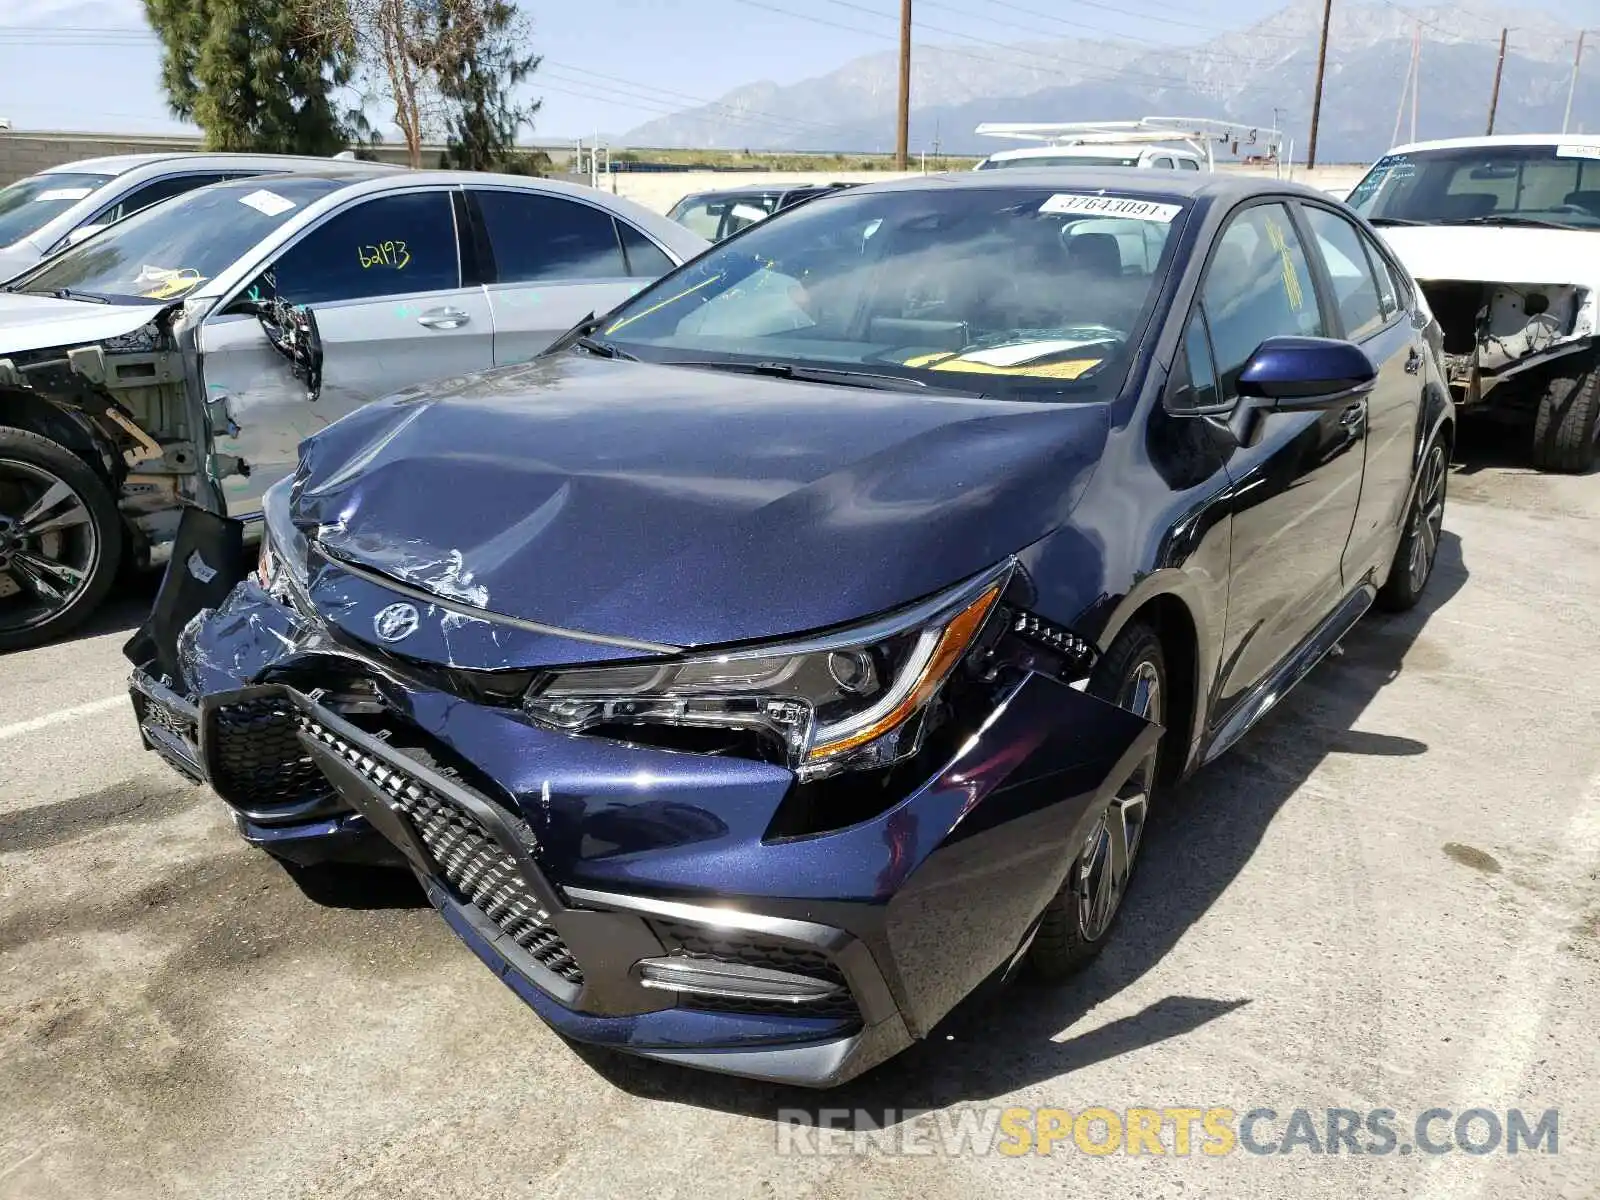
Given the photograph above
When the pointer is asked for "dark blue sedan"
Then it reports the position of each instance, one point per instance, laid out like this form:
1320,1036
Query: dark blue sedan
804,643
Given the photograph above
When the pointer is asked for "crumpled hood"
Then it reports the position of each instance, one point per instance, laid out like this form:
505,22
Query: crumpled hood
35,322
680,506
1497,254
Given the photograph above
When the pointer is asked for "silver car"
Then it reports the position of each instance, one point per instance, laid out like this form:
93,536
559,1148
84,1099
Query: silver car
45,213
179,356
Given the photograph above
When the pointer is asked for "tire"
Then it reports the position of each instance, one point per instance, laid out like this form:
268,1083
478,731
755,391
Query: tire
1566,431
1419,544
1079,920
56,568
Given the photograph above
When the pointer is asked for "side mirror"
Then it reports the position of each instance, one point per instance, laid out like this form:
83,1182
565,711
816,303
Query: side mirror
292,330
82,232
1296,374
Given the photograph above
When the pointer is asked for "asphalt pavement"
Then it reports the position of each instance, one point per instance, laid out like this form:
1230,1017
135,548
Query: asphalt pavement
1385,898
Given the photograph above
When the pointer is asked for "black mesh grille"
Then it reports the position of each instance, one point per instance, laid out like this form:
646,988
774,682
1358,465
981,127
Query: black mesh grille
699,941
479,871
257,762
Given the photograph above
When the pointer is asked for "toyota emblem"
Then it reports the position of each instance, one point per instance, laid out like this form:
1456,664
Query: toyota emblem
395,622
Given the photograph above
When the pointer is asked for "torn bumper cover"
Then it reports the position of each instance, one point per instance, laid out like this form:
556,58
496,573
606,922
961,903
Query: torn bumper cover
637,898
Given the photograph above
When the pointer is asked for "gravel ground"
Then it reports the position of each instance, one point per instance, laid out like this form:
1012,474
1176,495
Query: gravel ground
1385,897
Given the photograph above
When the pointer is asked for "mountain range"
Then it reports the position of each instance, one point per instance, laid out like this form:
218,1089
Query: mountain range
1255,76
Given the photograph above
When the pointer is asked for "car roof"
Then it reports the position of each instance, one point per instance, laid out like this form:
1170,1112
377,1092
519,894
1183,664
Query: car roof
1589,141
1184,185
121,164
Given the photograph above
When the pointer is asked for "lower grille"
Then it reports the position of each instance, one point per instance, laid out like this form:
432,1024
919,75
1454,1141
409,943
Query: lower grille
478,869
699,941
256,759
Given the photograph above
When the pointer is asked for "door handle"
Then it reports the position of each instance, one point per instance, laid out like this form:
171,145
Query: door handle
444,318
1413,361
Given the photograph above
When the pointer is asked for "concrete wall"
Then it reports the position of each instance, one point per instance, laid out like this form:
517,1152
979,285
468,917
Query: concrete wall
661,192
25,153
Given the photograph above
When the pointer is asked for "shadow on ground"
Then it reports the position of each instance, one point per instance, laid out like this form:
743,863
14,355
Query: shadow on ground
1002,1041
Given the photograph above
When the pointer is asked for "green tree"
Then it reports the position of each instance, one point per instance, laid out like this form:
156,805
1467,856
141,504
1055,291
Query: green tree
477,82
254,75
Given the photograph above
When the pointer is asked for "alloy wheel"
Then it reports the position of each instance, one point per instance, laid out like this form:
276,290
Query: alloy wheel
1427,518
1106,861
48,545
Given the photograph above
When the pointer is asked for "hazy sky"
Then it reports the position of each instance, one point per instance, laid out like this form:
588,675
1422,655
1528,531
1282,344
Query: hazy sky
609,64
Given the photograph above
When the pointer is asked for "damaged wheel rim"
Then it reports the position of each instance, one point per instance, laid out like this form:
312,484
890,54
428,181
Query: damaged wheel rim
1427,518
1105,863
48,545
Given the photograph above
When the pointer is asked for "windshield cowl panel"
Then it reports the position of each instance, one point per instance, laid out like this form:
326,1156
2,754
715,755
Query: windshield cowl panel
1034,293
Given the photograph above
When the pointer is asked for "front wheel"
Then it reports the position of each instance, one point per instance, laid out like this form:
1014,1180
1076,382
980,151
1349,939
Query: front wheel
60,539
1077,922
1566,430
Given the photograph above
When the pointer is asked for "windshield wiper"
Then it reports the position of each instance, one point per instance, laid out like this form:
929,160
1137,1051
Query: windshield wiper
1516,219
69,294
603,349
842,376
1395,221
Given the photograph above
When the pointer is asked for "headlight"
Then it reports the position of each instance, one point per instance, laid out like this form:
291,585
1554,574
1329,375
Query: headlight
282,563
853,699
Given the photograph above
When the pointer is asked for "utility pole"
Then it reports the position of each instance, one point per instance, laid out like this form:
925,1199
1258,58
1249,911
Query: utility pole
1499,66
1572,88
902,136
1316,97
1410,85
1416,76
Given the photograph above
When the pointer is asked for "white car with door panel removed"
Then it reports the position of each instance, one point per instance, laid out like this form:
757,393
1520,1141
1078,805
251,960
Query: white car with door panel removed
179,356
1503,236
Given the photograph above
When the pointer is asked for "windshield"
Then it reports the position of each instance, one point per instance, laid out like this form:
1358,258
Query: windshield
1484,184
1063,160
169,249
717,217
1024,291
28,205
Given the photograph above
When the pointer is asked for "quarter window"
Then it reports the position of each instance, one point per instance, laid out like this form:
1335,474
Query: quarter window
389,246
537,238
1257,286
645,258
1354,286
1195,377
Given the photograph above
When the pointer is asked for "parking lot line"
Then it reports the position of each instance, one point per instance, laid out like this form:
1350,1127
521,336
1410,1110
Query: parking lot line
60,717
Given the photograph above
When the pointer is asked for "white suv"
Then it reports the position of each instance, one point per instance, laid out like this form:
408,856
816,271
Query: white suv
1503,235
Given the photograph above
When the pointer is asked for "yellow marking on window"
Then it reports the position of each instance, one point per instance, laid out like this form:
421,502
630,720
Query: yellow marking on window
1291,278
662,304
384,254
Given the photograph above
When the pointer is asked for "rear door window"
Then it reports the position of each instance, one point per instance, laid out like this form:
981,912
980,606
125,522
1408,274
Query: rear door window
543,238
1355,288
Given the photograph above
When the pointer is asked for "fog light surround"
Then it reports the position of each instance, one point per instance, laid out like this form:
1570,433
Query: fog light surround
731,980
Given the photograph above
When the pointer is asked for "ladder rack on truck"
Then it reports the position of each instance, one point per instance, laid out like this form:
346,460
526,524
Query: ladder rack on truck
1200,134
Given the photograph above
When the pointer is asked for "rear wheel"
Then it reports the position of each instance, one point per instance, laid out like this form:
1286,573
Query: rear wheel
60,539
1419,545
1078,921
1566,431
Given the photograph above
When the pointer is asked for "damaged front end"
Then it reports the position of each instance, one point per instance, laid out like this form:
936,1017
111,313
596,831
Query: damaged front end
649,870
1499,334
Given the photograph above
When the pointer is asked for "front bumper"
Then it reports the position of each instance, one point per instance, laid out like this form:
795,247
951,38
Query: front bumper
570,864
